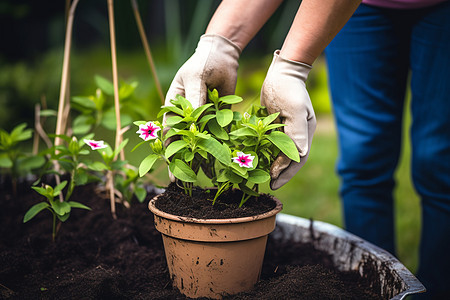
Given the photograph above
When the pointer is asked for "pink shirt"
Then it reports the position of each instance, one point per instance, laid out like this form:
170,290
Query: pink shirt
402,4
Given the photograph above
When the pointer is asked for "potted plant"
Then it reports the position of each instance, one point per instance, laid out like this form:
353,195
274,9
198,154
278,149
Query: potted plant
214,255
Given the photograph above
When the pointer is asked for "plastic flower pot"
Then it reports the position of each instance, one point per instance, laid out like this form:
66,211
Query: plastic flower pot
214,257
349,252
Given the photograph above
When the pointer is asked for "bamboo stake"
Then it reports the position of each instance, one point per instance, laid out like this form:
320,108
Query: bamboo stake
114,72
65,72
116,102
147,50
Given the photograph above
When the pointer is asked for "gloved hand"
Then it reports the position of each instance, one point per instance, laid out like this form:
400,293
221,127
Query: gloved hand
284,91
213,65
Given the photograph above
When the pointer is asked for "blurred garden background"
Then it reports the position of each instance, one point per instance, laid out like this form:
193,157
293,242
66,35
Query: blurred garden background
31,58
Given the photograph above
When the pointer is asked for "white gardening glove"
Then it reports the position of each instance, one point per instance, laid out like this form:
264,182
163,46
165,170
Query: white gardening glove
213,65
284,91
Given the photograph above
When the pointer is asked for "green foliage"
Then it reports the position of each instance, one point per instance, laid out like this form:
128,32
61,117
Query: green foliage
232,149
98,109
12,158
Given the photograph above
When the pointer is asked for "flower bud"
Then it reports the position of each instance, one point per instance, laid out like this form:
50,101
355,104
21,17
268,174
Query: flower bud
193,128
246,117
157,146
260,125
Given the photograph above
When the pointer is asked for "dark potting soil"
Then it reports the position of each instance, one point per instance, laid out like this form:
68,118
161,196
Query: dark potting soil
175,201
97,257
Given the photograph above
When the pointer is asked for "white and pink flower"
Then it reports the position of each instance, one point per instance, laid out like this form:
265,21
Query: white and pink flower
148,131
244,160
95,144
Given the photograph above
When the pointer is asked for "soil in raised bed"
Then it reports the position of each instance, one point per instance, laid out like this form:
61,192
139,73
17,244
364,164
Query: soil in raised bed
97,257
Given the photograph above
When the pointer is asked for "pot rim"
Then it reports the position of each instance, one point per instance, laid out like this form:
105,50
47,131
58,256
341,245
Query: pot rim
160,213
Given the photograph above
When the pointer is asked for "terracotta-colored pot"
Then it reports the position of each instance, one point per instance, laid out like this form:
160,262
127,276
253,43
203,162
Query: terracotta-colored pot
214,257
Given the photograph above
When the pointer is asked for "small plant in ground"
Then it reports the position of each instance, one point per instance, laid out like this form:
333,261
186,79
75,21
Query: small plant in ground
60,210
13,159
233,150
121,178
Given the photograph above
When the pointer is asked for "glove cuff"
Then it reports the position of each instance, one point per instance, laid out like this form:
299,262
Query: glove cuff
299,68
220,42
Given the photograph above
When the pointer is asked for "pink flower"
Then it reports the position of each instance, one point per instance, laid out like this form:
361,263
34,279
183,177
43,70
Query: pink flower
148,131
95,144
244,160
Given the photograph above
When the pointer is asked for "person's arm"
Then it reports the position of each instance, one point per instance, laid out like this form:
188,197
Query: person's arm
239,21
284,89
316,23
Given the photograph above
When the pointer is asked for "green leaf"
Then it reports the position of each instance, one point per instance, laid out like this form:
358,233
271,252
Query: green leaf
244,131
83,124
5,162
140,193
213,96
138,145
63,217
137,123
247,190
85,102
217,130
183,102
216,149
60,208
224,117
174,147
31,163
239,171
188,156
59,188
199,110
75,204
120,147
40,190
109,119
174,120
170,108
20,134
230,99
147,164
182,171
48,113
34,210
274,126
269,119
285,144
104,84
230,176
126,90
206,118
97,166
258,176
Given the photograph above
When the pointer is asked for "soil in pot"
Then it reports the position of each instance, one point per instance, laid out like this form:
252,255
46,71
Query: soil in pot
96,257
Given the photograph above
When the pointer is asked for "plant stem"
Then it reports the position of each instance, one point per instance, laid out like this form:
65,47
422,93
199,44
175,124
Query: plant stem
223,187
54,227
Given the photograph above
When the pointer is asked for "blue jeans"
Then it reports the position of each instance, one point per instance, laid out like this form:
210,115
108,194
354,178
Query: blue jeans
369,63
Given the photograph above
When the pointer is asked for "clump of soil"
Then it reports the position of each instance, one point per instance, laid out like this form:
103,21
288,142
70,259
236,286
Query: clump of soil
97,257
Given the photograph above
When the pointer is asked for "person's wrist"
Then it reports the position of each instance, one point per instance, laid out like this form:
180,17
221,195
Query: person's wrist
210,37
